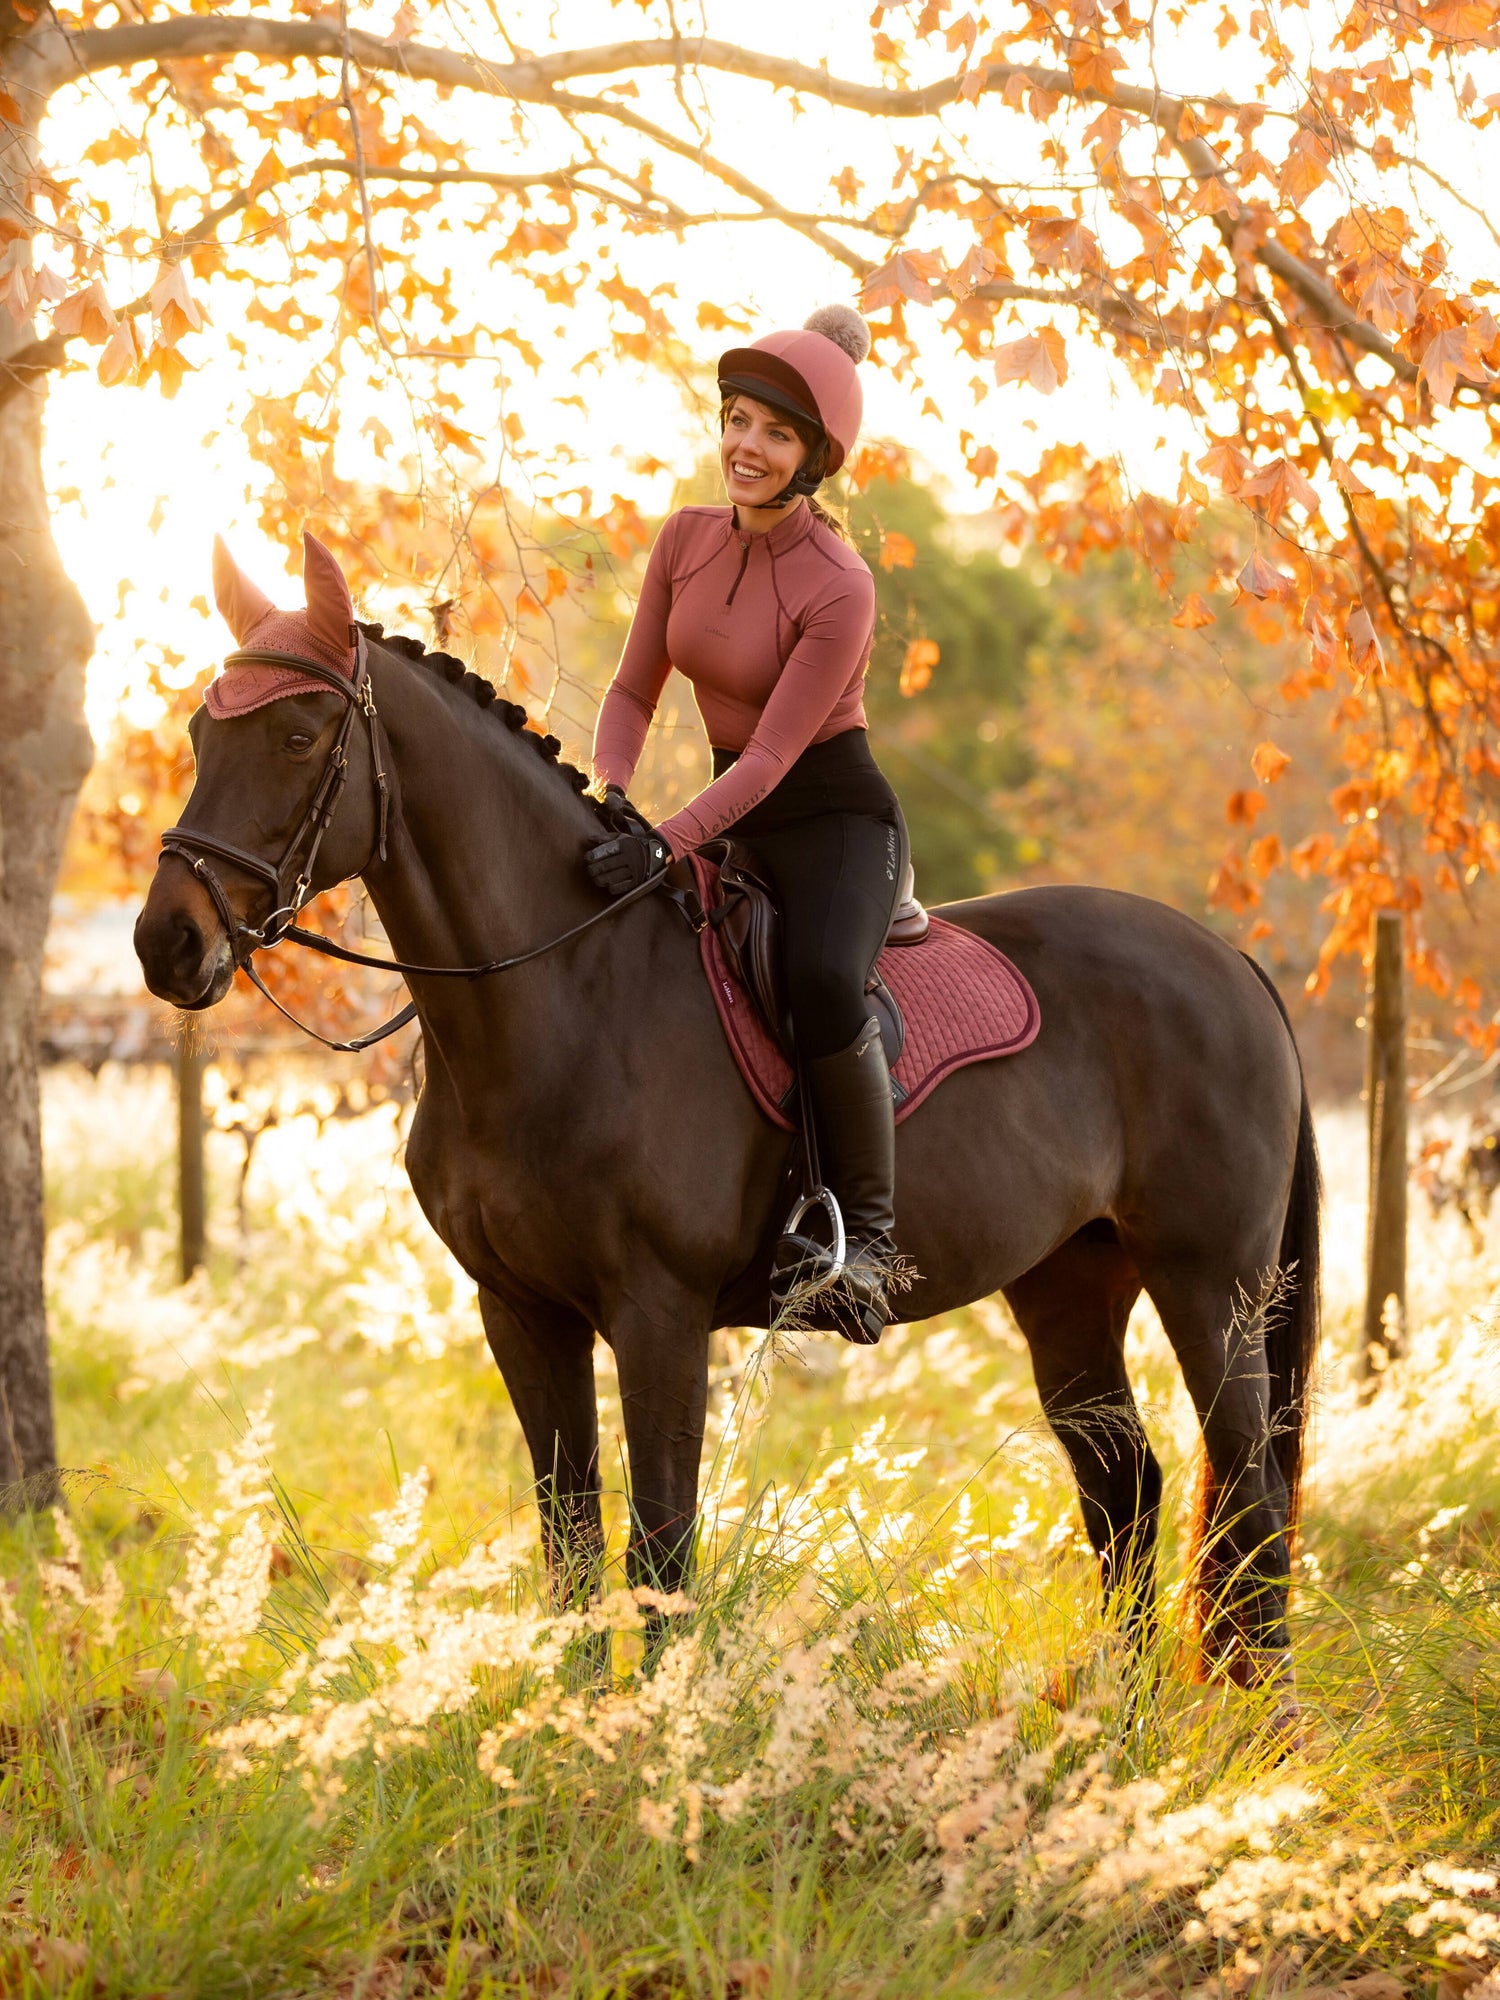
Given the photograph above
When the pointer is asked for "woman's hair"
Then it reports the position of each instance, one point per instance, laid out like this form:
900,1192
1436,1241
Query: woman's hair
815,441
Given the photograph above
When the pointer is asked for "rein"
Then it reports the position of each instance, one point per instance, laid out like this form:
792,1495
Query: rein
199,850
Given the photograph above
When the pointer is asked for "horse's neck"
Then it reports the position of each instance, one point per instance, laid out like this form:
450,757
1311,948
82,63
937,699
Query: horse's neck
485,847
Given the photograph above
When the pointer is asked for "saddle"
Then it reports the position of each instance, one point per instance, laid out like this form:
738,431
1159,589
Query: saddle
747,919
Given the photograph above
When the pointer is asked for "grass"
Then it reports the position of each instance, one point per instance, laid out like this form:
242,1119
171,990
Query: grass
283,1713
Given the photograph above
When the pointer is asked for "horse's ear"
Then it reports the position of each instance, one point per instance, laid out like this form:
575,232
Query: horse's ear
240,603
330,608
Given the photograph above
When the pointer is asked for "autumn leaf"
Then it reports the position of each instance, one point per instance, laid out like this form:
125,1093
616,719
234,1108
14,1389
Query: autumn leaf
1390,307
166,366
1349,478
1063,243
121,356
1244,808
1305,168
1448,355
1225,463
1362,640
713,319
1262,579
1194,614
1211,197
910,274
1265,854
86,315
977,268
897,551
1278,483
1267,762
173,305
916,668
1093,69
1039,360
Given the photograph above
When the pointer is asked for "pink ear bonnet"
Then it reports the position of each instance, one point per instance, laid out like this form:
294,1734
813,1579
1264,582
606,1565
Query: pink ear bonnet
320,633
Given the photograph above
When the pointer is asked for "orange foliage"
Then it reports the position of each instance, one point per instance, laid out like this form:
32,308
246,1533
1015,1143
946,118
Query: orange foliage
1282,281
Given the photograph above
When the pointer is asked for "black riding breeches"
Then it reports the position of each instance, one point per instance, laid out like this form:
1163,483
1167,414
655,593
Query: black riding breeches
832,841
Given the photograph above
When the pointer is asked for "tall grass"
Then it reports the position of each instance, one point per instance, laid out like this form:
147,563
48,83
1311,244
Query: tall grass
285,1707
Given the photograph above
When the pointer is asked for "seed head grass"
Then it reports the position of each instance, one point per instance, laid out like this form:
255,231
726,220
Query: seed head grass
287,1706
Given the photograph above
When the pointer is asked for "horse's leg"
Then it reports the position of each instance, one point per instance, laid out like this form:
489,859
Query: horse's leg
1073,1309
545,1354
1214,1316
660,1337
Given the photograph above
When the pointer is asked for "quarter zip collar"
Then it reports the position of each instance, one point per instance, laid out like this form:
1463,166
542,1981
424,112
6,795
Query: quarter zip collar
788,531
784,535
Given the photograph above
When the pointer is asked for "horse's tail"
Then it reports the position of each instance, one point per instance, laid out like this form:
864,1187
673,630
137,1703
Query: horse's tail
1292,1324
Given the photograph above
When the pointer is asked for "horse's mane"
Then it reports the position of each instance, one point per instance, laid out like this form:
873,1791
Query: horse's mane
484,694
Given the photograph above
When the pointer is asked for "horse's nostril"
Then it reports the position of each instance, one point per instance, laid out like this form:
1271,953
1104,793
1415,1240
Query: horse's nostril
188,943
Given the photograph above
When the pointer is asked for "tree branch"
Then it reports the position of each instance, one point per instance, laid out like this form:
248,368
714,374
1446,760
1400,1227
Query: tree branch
58,58
20,370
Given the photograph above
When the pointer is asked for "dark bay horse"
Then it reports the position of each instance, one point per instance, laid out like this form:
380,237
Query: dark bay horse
586,1148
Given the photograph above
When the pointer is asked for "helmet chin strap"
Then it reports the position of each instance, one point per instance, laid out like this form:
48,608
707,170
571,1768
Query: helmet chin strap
799,484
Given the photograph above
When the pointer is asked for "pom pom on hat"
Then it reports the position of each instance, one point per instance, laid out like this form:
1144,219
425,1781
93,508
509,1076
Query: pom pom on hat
844,327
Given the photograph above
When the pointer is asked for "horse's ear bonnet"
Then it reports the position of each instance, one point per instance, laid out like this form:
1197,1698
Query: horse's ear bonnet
319,633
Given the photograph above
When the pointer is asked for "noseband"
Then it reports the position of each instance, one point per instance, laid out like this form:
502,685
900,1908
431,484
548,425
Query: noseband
200,850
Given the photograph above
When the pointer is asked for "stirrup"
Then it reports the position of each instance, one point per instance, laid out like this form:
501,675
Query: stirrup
808,1279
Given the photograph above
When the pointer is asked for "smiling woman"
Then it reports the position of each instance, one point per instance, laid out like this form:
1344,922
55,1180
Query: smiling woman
770,614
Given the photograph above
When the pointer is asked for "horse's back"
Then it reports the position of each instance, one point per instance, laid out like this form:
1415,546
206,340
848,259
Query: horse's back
1083,946
1174,1021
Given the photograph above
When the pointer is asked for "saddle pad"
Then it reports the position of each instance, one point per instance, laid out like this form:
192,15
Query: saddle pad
961,999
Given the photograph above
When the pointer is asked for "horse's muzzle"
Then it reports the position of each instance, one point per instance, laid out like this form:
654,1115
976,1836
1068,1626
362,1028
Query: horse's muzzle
180,942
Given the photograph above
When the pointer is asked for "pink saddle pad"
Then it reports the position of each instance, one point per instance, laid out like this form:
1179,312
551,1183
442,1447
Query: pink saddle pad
962,1002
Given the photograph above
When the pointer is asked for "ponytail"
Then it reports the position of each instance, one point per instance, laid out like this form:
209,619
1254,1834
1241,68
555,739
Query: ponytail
834,522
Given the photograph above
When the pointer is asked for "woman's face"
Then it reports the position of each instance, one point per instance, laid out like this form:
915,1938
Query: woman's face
758,453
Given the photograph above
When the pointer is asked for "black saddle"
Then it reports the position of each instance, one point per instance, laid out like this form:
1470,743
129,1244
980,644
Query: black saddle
745,913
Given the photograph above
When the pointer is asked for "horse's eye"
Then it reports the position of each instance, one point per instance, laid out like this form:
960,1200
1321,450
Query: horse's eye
298,741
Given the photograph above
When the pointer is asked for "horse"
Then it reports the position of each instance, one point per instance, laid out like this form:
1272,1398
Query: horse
586,1148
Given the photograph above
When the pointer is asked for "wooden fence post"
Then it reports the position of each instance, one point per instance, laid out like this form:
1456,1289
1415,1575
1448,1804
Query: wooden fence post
192,1194
1385,1089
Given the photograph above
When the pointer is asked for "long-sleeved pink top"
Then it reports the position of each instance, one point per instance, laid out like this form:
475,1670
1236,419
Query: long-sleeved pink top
774,633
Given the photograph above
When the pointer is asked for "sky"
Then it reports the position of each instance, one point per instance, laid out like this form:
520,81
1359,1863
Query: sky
143,483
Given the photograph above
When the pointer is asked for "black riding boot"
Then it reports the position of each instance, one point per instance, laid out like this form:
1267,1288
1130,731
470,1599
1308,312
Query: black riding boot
851,1100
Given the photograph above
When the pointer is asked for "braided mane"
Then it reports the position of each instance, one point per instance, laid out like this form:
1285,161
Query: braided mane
483,694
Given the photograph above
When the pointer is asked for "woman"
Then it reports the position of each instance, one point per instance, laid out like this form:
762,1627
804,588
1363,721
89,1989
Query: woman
768,611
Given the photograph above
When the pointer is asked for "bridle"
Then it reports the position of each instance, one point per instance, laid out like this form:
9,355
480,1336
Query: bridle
201,850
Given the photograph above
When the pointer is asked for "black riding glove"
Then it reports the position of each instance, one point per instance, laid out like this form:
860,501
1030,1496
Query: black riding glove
632,856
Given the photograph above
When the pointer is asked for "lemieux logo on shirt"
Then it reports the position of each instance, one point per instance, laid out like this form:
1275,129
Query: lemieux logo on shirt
717,631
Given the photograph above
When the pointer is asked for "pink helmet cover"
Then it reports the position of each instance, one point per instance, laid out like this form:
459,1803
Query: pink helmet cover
321,632
826,371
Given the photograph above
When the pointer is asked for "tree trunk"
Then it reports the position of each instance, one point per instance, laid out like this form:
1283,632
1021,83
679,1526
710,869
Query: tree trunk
45,752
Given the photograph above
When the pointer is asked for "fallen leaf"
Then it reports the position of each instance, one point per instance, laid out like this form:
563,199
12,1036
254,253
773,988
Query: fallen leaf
1374,1986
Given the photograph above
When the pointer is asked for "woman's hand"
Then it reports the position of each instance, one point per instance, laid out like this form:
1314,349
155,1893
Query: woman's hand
631,856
